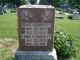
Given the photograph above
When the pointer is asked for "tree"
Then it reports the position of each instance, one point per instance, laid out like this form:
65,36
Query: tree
13,2
16,2
55,3
3,2
74,3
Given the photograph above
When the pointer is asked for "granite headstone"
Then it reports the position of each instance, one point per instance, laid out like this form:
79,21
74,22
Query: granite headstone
36,27
36,33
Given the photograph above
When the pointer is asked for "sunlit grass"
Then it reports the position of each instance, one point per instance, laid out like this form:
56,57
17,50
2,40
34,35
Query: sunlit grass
8,25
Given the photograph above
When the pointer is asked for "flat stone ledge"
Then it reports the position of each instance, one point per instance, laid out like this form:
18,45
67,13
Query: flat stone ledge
36,55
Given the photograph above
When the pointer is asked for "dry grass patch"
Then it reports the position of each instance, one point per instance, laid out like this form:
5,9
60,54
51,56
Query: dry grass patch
7,48
8,43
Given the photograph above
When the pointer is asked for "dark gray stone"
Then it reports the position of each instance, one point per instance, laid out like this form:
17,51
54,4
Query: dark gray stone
5,9
76,15
1,10
36,55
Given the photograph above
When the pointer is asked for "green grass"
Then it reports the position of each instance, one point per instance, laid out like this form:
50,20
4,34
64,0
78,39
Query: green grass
8,28
8,25
6,54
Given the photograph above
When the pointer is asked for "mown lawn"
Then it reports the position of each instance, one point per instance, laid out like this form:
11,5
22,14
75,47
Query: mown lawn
8,36
8,28
8,25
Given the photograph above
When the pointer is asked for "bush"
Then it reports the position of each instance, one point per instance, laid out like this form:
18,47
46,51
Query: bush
70,17
64,45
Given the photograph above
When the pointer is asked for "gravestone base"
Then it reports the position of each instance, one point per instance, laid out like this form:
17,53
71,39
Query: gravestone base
36,55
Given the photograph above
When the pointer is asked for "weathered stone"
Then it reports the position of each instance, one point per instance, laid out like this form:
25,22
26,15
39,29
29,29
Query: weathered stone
36,55
36,27
76,15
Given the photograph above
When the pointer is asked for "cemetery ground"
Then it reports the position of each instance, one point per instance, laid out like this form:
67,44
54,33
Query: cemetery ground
9,37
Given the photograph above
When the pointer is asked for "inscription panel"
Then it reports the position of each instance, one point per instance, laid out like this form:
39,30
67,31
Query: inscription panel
36,34
36,27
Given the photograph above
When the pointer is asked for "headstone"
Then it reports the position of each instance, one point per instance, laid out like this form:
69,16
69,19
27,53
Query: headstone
76,15
4,9
36,32
36,25
1,10
64,5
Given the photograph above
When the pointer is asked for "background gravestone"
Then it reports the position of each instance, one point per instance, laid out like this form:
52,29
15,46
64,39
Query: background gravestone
36,27
64,5
5,9
1,10
76,15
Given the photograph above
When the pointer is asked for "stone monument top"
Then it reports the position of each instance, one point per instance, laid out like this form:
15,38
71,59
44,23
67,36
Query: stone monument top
36,6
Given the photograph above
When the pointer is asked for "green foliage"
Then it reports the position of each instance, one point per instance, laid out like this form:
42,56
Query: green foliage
44,2
74,3
64,44
70,17
14,2
17,2
3,2
55,3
